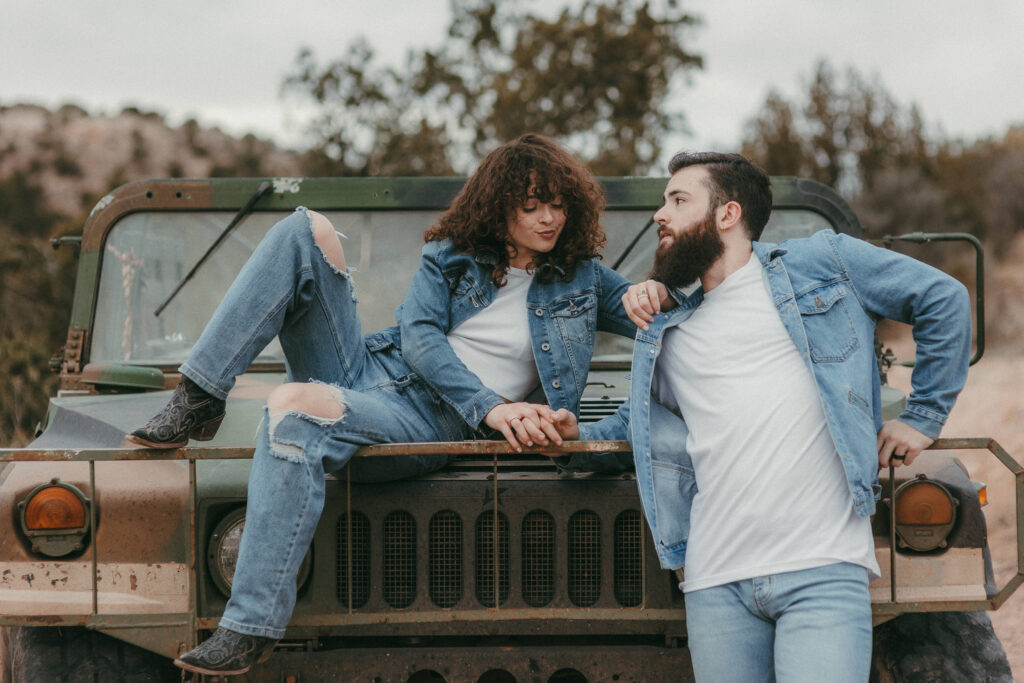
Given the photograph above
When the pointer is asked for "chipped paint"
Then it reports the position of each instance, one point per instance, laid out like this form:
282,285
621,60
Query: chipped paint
41,588
102,204
289,185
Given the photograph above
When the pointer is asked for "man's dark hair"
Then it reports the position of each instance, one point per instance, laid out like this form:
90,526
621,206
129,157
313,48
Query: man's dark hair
733,179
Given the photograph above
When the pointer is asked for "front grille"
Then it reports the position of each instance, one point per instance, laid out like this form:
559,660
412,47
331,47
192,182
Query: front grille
538,558
399,559
486,549
445,558
584,558
538,550
594,409
359,530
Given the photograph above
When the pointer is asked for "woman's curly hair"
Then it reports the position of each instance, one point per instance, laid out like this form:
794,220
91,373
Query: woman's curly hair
477,220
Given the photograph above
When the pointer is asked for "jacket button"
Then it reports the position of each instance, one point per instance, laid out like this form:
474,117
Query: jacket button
556,384
539,313
545,347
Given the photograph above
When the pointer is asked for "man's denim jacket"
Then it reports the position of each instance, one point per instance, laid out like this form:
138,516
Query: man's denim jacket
830,291
564,310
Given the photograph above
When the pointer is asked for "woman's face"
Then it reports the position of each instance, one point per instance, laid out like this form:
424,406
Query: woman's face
533,228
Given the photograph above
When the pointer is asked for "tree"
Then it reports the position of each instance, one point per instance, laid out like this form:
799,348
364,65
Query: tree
595,76
846,134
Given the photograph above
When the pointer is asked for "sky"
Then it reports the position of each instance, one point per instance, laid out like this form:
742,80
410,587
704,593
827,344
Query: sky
223,61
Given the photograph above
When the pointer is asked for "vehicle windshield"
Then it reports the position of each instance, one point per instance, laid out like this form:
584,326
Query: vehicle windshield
147,254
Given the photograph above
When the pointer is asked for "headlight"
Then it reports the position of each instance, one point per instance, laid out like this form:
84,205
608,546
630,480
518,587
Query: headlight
55,518
222,552
925,514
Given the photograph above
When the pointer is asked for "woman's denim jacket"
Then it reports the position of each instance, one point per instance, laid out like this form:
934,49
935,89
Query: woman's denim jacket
830,291
564,312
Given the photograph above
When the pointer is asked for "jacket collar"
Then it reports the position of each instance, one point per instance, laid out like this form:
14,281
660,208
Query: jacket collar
766,251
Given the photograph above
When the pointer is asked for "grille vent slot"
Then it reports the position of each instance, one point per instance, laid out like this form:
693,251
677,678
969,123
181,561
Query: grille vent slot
445,558
360,560
399,559
538,541
584,558
594,409
628,559
485,560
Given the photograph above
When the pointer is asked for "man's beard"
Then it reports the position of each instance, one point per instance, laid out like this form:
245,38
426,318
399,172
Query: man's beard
689,254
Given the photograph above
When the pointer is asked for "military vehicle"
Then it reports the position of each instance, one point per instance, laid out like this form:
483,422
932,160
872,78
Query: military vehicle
114,558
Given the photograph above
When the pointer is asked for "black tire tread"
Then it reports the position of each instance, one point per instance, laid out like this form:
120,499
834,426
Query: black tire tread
80,655
939,646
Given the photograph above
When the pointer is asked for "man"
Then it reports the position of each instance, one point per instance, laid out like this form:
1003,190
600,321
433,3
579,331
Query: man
756,425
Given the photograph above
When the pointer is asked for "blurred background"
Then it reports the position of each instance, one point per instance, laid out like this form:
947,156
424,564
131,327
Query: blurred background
912,110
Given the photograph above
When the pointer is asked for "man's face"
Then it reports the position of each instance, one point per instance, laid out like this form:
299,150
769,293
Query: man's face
688,238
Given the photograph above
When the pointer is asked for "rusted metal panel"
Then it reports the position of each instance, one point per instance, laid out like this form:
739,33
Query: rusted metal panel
153,195
956,574
66,588
479,447
572,661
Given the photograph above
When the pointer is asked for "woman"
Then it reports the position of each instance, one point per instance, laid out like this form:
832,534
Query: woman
508,296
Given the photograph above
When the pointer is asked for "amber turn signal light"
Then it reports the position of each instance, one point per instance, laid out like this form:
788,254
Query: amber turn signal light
925,514
54,507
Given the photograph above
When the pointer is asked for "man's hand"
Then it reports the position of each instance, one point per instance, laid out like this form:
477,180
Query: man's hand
565,423
524,423
900,443
644,299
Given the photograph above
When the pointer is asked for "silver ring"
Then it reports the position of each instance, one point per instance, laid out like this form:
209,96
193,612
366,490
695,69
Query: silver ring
642,294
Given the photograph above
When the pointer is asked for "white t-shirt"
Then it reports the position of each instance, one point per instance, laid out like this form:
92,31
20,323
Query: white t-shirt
772,493
495,343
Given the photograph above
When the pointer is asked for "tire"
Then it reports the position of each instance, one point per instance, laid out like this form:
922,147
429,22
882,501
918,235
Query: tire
939,646
79,655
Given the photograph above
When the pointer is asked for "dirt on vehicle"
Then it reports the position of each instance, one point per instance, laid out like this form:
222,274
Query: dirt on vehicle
991,405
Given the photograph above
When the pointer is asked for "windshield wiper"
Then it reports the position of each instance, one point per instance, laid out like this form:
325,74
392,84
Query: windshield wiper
263,188
629,247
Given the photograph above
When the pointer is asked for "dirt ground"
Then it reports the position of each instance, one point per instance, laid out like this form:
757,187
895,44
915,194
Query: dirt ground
992,405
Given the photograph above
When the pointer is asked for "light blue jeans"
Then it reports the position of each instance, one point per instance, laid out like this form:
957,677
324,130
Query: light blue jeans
794,627
287,288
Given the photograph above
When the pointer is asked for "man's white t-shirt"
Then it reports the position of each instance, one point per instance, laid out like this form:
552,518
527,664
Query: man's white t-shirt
495,343
772,493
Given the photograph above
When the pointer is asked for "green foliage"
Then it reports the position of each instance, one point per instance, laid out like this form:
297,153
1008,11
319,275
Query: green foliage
35,304
23,208
597,76
846,133
850,133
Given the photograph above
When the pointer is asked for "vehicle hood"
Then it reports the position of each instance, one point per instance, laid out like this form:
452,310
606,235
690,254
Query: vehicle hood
102,421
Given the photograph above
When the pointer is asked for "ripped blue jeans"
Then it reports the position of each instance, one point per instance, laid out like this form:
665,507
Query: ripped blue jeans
289,289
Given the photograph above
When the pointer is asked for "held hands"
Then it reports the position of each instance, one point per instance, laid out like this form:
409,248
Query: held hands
524,423
644,299
900,443
531,423
565,423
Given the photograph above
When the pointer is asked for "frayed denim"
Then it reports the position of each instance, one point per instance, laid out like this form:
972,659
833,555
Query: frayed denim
289,289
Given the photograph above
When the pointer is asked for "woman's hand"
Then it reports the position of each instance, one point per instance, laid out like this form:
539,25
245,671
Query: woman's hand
524,423
644,299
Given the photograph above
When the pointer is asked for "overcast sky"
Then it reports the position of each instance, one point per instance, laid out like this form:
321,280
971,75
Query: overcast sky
223,61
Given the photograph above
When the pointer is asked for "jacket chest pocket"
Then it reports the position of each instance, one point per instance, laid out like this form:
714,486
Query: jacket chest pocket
575,317
466,294
831,336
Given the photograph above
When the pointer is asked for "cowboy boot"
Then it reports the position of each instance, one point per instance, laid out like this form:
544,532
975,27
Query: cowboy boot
191,412
226,653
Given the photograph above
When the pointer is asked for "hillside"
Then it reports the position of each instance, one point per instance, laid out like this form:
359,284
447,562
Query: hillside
74,157
54,166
